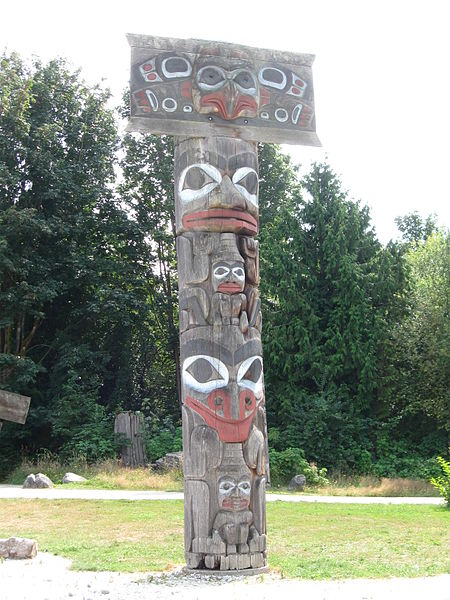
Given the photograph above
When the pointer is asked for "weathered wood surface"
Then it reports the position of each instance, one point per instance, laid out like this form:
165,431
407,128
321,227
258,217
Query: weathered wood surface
224,425
201,88
130,426
14,407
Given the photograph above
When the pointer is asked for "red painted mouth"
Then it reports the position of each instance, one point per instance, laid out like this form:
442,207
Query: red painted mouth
221,219
229,430
229,288
235,504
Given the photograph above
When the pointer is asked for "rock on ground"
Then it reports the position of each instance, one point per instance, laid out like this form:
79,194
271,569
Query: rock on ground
37,481
18,548
73,478
48,577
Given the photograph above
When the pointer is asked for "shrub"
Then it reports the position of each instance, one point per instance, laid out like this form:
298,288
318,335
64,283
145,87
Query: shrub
161,436
287,463
442,482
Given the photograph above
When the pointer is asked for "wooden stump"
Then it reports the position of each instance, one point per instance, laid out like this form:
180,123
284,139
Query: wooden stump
130,426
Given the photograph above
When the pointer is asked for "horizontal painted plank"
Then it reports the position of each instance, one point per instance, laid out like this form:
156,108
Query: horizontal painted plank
14,407
200,88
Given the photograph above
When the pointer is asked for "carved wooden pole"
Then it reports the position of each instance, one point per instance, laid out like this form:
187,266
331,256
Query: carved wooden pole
229,97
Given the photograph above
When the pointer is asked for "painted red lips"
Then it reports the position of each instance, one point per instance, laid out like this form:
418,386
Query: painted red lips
229,288
221,220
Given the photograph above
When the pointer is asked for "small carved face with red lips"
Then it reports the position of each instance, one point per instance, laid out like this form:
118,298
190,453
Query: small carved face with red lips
234,493
228,278
216,186
224,386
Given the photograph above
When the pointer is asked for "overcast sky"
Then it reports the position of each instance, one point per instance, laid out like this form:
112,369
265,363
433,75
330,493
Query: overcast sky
381,76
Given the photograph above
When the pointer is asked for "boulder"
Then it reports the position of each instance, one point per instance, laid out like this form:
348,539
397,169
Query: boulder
18,548
172,460
297,483
73,478
37,481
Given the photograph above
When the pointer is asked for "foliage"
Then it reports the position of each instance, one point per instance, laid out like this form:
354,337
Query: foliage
286,464
442,482
161,436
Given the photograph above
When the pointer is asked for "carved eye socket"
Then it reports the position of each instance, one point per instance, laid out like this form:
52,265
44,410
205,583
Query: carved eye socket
272,77
226,486
176,66
221,271
211,78
204,373
239,273
245,180
198,180
250,375
245,80
245,487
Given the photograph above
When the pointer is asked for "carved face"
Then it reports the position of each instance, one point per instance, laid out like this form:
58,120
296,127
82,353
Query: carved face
234,492
228,277
216,186
223,383
228,88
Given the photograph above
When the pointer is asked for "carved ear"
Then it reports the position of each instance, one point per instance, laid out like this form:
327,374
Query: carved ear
254,450
250,251
193,266
206,446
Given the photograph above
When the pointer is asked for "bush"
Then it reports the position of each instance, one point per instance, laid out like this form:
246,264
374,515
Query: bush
442,482
287,463
161,437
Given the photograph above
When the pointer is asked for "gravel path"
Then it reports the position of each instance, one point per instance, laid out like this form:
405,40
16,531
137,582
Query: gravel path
48,577
16,491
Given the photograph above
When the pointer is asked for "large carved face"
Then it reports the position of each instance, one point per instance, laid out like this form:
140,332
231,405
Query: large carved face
223,382
216,187
228,88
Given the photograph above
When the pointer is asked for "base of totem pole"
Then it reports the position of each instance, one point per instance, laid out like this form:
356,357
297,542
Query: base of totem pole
232,573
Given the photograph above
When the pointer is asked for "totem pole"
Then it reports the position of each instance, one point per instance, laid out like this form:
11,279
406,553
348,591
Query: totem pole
218,100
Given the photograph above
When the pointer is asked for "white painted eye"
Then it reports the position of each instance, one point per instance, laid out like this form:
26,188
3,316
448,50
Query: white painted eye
176,66
272,77
281,115
211,78
204,373
245,487
169,104
245,81
197,181
221,272
245,180
226,487
250,375
239,273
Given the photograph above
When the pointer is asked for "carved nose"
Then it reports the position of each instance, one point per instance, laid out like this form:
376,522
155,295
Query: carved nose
227,196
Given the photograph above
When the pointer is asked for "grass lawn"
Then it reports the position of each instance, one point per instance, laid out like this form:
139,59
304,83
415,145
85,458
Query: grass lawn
314,541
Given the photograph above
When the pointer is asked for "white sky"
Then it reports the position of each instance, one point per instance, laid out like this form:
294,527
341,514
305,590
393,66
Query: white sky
381,76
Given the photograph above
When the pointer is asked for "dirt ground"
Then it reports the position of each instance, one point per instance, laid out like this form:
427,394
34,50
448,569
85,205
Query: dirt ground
48,577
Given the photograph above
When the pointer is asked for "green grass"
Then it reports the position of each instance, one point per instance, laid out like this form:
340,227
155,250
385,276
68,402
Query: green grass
314,541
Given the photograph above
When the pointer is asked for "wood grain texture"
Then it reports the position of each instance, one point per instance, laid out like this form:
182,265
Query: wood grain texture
130,426
14,407
224,427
